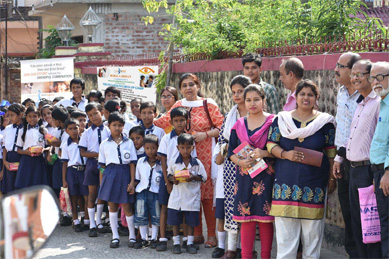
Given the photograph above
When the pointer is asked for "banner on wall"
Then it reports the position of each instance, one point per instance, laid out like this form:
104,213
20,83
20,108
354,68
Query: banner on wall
46,78
133,82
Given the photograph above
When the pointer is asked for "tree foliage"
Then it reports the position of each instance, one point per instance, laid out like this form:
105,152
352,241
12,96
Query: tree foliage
51,42
211,26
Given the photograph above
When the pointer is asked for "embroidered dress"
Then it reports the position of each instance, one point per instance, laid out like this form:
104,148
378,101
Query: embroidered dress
229,179
299,190
253,196
198,123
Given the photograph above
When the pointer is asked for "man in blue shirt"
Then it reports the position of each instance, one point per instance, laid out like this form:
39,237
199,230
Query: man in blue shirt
379,150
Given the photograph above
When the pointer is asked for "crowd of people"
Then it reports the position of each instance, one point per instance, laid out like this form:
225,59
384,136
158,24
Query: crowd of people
154,170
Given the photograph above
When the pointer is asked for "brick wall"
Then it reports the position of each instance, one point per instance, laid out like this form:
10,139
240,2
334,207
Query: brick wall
128,36
14,89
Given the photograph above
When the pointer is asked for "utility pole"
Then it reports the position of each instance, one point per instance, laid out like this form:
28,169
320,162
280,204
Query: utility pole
6,48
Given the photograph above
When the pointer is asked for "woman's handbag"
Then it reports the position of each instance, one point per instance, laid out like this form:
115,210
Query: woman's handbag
311,157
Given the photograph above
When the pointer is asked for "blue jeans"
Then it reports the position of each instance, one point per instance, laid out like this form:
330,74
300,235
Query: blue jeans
383,211
147,204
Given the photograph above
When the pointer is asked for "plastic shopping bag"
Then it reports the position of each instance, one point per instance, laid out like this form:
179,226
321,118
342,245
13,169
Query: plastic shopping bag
370,220
64,199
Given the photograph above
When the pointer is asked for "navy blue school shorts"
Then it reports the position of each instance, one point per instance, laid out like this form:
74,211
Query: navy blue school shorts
163,196
219,211
75,179
175,217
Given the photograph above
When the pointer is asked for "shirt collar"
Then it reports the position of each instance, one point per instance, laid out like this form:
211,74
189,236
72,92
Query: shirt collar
82,99
192,161
101,127
386,100
143,127
147,160
70,140
2,127
32,127
138,120
123,140
18,126
344,89
173,134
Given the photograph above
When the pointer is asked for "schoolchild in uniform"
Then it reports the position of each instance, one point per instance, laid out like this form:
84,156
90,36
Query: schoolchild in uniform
135,110
118,156
148,112
113,105
89,146
137,135
73,172
168,152
184,200
148,175
81,117
10,136
4,122
32,168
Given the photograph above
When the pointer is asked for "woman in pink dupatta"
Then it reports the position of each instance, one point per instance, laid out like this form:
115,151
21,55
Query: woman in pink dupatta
253,195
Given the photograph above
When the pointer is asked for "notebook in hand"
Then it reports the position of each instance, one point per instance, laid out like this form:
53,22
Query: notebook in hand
243,151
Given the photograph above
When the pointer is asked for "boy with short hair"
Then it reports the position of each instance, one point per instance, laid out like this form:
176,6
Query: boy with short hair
184,200
137,135
89,148
73,166
168,152
148,111
81,117
148,175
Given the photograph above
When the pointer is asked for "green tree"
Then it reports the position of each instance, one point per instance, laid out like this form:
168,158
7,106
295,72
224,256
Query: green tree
51,42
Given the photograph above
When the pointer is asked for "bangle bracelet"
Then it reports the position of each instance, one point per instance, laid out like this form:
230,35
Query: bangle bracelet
238,162
281,153
206,133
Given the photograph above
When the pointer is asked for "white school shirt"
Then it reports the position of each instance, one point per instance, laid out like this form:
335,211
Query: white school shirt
90,138
112,153
71,102
168,147
10,138
71,153
142,174
219,188
186,196
154,130
33,138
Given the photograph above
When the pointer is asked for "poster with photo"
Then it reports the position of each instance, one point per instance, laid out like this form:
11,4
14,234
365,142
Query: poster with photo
133,82
46,78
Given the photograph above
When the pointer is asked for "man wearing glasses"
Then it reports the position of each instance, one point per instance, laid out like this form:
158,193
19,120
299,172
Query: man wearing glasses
379,150
358,152
346,105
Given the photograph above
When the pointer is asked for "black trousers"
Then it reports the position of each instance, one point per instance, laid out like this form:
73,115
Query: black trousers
383,211
344,200
361,177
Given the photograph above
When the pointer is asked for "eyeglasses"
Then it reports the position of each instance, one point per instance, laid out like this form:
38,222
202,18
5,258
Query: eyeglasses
358,75
166,96
341,66
379,78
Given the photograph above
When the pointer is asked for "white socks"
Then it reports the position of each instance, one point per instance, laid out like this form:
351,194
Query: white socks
143,232
113,218
176,240
76,222
99,213
232,241
190,240
131,227
154,233
221,236
163,239
91,213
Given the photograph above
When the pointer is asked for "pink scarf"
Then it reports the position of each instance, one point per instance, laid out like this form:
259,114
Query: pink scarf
259,138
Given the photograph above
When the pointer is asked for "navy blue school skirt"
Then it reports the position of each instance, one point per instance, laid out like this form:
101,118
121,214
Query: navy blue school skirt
91,172
114,184
8,182
32,171
57,174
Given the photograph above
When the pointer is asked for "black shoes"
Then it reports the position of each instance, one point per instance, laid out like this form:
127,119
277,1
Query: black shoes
66,221
141,244
191,249
218,252
176,249
77,228
131,243
153,244
162,246
114,243
92,232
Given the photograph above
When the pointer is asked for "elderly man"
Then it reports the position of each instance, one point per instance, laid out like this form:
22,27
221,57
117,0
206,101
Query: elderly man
251,68
346,105
379,150
77,86
291,73
358,152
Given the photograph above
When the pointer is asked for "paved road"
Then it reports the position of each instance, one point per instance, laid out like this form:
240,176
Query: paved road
65,243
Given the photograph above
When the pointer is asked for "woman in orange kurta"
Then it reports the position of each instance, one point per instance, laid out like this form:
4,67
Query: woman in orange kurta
204,134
